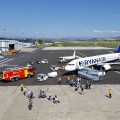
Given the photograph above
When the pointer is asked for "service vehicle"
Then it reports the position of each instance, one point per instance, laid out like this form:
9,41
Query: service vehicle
52,74
28,65
16,73
12,52
55,67
92,75
42,77
44,61
66,58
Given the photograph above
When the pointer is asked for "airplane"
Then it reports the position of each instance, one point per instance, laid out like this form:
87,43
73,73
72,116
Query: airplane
105,61
66,58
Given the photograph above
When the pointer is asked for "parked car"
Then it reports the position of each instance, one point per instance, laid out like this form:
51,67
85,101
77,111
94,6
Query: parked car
36,62
42,77
30,63
55,67
44,61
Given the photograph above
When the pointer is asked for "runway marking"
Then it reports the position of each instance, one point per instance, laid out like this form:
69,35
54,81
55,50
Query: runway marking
81,54
6,61
117,72
3,59
8,65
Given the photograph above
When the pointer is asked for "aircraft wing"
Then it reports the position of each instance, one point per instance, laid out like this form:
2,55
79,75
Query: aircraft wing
78,57
116,63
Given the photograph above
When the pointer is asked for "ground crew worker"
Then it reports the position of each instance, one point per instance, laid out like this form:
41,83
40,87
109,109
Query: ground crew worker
59,81
63,68
24,91
92,67
31,74
21,87
110,93
34,74
68,79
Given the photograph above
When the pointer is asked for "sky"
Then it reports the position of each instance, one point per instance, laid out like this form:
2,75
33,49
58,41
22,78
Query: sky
60,18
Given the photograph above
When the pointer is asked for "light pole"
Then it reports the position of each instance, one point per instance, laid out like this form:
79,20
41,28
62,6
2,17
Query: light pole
4,38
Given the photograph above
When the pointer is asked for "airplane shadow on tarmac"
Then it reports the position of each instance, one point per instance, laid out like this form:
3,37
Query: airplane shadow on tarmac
71,73
115,69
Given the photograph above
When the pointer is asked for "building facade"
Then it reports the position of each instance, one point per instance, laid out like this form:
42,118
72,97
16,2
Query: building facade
7,45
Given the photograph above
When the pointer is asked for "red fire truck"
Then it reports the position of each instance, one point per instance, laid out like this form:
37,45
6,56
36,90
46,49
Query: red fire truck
16,73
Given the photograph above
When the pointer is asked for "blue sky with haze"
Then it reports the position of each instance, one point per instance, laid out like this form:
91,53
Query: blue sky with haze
60,18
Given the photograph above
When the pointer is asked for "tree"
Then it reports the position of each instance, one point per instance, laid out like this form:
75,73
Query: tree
40,41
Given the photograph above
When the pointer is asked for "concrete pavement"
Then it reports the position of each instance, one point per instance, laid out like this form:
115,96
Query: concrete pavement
77,48
93,105
28,49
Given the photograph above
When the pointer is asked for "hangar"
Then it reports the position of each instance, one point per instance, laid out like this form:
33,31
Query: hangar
7,45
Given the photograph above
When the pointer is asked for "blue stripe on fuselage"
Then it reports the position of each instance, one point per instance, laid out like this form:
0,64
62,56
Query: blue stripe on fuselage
94,61
104,62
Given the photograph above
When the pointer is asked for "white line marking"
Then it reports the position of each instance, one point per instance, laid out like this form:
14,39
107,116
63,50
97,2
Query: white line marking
81,54
117,72
6,61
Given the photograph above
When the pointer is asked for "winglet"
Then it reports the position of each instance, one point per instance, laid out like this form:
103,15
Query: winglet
118,50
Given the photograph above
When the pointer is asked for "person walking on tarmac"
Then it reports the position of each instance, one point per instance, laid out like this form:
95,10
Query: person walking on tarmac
92,67
59,80
110,93
31,74
63,68
68,79
24,91
30,104
21,87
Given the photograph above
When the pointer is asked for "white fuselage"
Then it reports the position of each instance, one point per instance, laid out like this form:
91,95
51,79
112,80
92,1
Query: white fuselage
63,59
93,60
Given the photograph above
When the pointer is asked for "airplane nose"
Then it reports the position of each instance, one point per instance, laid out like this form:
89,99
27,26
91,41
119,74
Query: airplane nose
66,68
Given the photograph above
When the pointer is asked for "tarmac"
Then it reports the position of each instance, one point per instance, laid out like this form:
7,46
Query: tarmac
93,105
28,49
22,58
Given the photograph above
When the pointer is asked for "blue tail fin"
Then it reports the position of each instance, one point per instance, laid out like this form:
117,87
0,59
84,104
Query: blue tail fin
118,50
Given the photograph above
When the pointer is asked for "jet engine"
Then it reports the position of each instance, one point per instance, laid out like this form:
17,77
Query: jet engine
105,67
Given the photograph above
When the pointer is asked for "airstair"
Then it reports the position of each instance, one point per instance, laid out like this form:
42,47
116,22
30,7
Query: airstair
90,74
